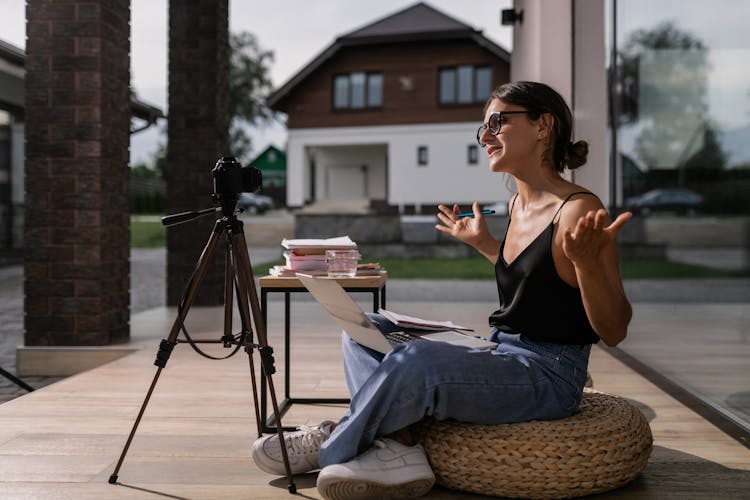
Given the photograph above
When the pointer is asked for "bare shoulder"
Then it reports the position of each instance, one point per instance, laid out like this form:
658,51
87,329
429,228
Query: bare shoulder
579,205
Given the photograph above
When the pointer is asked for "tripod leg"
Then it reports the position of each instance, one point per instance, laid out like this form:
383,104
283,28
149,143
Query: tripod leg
247,333
166,345
20,383
228,338
247,286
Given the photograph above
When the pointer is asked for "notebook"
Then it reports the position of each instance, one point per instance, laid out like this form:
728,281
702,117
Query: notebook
355,322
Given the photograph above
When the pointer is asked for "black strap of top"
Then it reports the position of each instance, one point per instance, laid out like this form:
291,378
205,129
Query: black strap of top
513,204
568,198
510,217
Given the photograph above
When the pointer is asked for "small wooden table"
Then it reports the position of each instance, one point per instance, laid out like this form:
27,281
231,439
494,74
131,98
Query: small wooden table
288,285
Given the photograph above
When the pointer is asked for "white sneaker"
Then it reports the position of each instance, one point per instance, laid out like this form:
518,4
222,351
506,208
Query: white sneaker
302,447
387,470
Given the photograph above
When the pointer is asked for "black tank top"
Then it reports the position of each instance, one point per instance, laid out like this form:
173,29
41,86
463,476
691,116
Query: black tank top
534,300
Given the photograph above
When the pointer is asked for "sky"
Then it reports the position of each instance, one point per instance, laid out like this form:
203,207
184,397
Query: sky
295,30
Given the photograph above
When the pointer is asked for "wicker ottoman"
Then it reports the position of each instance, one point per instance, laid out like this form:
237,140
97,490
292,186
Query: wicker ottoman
602,447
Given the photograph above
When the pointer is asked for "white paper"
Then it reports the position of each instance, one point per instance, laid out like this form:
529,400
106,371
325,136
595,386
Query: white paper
338,242
421,324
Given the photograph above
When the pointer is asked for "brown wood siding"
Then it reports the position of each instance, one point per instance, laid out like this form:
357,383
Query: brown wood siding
311,103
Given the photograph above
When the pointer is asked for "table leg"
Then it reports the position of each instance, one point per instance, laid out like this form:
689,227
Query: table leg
263,395
287,344
268,424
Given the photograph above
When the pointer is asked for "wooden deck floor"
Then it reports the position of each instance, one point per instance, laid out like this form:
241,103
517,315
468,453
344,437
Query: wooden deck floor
63,441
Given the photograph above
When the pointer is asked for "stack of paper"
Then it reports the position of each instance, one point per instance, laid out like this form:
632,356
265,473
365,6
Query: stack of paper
310,262
308,255
368,269
318,246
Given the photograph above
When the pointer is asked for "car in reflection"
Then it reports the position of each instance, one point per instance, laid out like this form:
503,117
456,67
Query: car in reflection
255,203
680,200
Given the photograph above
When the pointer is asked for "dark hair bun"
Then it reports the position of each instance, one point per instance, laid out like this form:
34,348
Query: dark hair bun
576,154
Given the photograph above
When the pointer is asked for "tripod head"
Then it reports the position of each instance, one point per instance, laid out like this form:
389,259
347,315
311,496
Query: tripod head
230,180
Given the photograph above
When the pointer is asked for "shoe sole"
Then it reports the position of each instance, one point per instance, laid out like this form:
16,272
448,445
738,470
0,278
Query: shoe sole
361,489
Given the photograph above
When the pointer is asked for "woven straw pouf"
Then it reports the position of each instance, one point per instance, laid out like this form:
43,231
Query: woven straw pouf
603,446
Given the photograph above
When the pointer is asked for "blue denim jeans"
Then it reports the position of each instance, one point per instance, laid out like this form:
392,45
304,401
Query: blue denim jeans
517,381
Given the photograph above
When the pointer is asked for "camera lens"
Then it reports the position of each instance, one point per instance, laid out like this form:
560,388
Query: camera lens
252,179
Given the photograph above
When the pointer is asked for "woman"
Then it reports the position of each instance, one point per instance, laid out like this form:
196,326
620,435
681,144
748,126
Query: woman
560,290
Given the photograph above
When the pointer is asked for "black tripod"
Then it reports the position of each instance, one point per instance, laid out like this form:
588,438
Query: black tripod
238,277
20,383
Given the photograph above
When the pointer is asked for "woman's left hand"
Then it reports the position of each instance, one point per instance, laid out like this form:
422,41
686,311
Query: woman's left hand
583,244
467,229
471,230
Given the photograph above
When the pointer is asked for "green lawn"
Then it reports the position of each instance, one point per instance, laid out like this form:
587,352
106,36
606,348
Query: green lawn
151,234
147,234
479,268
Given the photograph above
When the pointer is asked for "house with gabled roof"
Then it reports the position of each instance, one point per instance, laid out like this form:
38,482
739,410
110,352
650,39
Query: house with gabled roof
389,113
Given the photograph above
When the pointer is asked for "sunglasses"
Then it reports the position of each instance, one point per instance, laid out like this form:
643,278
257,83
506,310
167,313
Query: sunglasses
496,121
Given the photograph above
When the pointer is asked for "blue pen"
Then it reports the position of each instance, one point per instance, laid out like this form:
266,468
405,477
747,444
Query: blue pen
471,214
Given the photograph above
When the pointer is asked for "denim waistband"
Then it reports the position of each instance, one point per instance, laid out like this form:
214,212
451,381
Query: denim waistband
575,354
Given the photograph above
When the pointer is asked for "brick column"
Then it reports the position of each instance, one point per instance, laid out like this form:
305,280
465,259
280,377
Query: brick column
77,139
197,136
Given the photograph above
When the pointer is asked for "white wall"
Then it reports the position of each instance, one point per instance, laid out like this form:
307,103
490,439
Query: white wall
335,160
447,178
568,54
542,44
590,96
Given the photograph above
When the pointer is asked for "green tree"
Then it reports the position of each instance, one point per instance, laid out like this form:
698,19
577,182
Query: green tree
663,89
249,85
707,163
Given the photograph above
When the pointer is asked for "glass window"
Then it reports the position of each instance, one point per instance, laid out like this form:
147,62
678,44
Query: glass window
422,155
374,90
681,130
341,91
447,86
357,81
472,154
483,83
358,91
465,84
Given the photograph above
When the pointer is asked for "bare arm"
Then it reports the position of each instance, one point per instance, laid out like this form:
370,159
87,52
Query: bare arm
591,245
472,231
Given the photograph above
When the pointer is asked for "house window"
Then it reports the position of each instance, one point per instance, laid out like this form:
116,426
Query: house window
464,84
375,90
341,92
422,157
358,90
483,83
472,154
447,85
357,82
465,79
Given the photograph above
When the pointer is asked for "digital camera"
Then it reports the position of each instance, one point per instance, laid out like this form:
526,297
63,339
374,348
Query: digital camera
231,179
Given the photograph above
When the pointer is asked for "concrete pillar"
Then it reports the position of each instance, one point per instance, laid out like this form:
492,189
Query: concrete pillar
561,43
197,136
542,46
590,99
76,173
